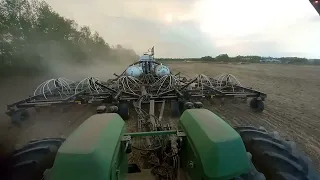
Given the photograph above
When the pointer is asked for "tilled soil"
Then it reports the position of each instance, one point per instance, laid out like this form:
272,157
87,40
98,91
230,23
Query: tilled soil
292,105
291,108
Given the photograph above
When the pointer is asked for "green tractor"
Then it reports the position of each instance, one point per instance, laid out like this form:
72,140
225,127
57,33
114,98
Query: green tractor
204,147
194,144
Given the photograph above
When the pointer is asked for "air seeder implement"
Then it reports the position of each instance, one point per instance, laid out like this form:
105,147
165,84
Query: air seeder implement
145,81
182,140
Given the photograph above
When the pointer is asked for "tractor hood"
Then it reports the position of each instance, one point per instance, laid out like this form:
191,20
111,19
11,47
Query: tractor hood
92,151
214,150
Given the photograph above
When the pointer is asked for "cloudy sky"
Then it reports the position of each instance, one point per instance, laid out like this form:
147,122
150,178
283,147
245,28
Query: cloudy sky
195,28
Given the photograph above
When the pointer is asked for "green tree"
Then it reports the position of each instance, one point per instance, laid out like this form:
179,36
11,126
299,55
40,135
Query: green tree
222,57
33,35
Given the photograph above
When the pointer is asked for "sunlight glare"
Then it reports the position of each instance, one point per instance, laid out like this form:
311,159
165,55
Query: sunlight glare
168,18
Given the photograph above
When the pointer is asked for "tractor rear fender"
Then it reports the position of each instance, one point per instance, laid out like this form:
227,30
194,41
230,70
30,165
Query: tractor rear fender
212,149
93,151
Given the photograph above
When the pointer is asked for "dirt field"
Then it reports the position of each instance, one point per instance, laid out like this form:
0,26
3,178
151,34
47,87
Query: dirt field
292,106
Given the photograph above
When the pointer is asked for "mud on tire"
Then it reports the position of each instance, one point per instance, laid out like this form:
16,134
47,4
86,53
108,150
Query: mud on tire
30,162
276,158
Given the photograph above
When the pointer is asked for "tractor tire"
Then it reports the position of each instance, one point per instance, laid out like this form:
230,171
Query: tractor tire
123,110
31,161
276,158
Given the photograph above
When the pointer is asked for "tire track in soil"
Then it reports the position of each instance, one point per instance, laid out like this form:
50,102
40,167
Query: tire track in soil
81,116
239,115
52,122
288,109
291,108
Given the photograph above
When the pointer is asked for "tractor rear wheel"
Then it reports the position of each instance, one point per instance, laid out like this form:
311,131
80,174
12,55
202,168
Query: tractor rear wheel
30,162
276,158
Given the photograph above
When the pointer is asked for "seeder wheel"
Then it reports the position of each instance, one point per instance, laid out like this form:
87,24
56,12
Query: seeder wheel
123,110
175,109
257,105
19,116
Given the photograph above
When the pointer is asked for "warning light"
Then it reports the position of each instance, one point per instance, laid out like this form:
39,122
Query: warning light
316,2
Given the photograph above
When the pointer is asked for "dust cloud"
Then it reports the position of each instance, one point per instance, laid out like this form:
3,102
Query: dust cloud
60,63
56,63
102,70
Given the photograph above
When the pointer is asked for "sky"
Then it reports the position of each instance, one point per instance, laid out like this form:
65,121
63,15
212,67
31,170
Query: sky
196,28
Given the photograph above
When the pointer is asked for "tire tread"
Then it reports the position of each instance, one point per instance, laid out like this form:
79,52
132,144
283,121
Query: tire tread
276,158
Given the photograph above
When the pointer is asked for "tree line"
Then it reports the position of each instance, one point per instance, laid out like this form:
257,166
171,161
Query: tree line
225,58
33,36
